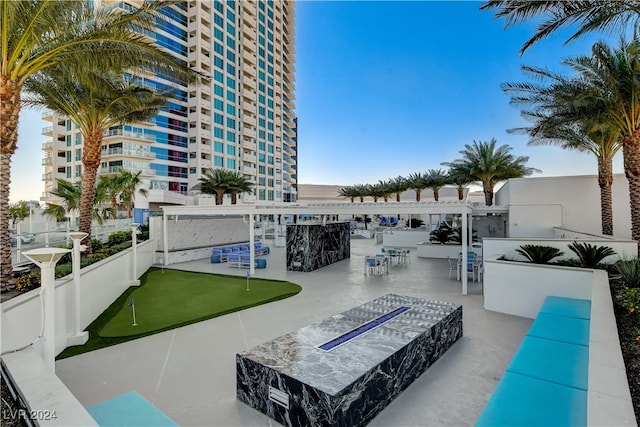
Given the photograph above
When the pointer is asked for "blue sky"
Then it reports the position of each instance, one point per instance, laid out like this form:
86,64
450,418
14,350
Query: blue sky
392,88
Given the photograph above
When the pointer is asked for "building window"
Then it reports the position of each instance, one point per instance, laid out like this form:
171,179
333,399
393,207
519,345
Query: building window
231,163
218,161
218,147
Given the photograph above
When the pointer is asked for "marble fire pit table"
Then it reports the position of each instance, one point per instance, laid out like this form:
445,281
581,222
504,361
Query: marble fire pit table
345,369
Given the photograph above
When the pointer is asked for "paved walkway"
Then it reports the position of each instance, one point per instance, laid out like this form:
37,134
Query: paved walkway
189,373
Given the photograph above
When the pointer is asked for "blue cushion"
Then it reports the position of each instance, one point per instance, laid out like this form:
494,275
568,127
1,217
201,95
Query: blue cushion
555,361
129,409
215,258
560,328
570,307
261,263
524,401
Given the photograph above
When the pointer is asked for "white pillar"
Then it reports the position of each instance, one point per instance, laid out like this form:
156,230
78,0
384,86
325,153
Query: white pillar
46,259
18,244
134,246
46,234
79,337
165,240
463,236
252,247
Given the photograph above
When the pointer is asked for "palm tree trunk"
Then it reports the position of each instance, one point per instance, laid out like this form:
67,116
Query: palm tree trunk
219,197
9,114
631,155
605,180
90,162
460,193
436,194
397,197
234,198
418,194
488,193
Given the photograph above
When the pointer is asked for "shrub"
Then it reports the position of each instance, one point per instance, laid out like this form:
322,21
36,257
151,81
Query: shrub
66,258
630,299
119,237
539,254
96,244
590,255
63,270
629,269
442,234
28,281
415,223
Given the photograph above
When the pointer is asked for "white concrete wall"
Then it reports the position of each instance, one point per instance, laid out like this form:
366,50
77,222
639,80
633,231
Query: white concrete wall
428,250
100,284
579,197
520,288
493,248
192,238
404,238
533,220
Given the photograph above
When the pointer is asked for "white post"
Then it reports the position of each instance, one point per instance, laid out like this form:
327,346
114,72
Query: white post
79,336
463,269
18,243
252,248
165,239
46,259
134,246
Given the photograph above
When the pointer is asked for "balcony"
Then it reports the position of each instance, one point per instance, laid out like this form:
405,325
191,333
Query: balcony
138,136
249,133
47,131
248,120
114,169
248,157
250,96
248,70
47,161
47,146
249,145
249,170
47,115
124,152
47,176
249,108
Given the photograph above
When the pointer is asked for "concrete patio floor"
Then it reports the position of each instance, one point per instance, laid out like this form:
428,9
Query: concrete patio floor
189,372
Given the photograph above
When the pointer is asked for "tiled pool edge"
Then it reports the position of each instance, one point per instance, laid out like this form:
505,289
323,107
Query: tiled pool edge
608,396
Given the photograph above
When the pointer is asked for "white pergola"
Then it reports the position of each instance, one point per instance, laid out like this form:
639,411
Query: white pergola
465,210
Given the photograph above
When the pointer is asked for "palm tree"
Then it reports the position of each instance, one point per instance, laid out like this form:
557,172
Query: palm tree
606,91
376,191
397,186
19,211
435,180
348,193
550,109
70,195
214,181
489,165
417,181
38,34
386,189
95,100
361,191
122,185
592,15
238,184
460,181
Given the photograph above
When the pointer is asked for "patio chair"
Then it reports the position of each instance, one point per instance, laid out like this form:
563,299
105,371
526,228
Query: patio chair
371,266
453,268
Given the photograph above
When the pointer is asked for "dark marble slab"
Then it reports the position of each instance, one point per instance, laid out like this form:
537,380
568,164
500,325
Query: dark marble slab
313,246
296,383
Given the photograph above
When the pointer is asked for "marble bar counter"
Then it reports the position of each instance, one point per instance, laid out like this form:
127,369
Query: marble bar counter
347,368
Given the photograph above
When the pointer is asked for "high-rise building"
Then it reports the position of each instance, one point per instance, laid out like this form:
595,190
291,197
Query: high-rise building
243,119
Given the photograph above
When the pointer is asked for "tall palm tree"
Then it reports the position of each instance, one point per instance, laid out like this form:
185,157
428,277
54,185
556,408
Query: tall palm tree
348,193
606,91
397,186
95,100
38,34
489,165
417,181
435,180
238,184
214,181
550,110
591,15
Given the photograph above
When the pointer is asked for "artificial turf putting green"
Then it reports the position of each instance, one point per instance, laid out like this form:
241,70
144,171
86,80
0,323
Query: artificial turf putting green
173,298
